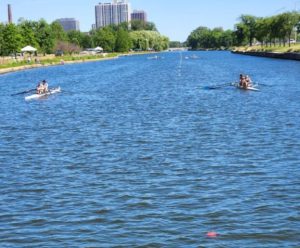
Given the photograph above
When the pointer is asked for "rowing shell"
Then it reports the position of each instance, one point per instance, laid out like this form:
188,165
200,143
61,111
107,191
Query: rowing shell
237,85
37,96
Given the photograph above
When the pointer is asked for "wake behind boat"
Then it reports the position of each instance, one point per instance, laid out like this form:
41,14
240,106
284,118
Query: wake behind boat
37,96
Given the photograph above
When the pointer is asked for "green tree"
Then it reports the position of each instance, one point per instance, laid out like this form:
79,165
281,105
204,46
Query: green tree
143,40
138,25
45,37
75,37
87,41
196,39
1,38
262,27
241,33
123,41
249,23
105,38
27,33
12,39
58,31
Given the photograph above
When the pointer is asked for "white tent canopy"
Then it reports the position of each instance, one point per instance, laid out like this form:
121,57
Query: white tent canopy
28,49
98,49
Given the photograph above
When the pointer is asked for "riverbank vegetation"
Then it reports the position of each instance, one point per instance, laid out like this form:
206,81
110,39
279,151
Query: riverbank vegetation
52,60
267,33
48,38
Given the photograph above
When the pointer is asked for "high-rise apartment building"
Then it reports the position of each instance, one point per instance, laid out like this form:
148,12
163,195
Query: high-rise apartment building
69,24
9,13
115,12
139,15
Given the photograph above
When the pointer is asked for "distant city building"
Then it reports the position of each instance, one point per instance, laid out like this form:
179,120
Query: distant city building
139,15
69,24
9,13
112,13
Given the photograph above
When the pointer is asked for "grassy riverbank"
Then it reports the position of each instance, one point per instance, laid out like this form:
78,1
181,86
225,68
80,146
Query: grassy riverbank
10,65
294,48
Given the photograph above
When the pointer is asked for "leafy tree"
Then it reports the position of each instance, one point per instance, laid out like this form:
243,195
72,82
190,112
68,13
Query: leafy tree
203,37
12,39
262,27
138,25
226,39
58,31
45,37
1,38
75,37
241,33
87,41
143,40
249,22
195,39
105,38
123,41
27,32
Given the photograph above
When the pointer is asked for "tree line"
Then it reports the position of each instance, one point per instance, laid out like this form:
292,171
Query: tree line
267,31
48,38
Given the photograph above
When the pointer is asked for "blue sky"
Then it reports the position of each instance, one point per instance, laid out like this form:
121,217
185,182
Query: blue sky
173,18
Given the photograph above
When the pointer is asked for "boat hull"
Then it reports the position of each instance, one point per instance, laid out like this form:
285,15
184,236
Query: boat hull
38,96
248,88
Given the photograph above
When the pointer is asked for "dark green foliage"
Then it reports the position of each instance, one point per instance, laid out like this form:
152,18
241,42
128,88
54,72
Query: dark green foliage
123,41
48,38
270,30
204,38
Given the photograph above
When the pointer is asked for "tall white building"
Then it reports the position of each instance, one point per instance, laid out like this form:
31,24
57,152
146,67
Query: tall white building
112,13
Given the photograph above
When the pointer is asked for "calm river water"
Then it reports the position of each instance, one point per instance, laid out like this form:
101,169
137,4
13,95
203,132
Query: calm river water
137,152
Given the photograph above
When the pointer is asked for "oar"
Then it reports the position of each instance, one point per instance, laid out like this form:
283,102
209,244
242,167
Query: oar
217,86
23,92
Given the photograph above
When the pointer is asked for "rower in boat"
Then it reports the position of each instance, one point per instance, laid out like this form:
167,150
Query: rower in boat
245,81
45,85
42,87
248,81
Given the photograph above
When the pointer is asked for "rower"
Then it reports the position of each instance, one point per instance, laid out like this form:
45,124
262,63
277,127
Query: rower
40,88
243,82
248,81
45,86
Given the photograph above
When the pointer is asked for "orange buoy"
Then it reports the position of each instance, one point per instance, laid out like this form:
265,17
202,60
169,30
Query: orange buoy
211,234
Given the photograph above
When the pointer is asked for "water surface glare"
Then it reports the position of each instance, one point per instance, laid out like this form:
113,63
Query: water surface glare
137,152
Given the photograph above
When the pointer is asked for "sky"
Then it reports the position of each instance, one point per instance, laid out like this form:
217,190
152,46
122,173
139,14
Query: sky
173,18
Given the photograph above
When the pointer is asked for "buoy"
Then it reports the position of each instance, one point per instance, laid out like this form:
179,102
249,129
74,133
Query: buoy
211,235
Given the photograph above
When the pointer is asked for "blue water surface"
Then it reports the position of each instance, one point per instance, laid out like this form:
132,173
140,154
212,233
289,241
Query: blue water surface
138,152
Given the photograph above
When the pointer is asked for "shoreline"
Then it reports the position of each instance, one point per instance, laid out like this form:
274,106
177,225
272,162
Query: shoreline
34,66
81,60
273,55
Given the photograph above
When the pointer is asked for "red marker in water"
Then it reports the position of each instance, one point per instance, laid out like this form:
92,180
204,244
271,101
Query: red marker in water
211,234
